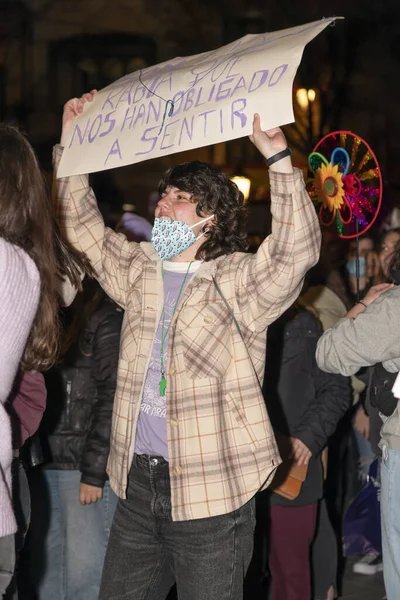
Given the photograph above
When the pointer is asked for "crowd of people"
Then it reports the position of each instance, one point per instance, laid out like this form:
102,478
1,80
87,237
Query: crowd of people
178,411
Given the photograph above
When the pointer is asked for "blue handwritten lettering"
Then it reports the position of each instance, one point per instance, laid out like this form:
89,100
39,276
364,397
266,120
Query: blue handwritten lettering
78,131
92,136
153,140
189,132
240,84
156,115
177,102
189,102
112,94
128,118
107,119
259,80
282,69
140,115
238,112
125,96
139,90
198,99
211,94
159,82
222,92
204,114
115,149
166,135
234,62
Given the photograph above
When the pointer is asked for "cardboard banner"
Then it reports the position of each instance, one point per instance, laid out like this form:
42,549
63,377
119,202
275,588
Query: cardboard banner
189,102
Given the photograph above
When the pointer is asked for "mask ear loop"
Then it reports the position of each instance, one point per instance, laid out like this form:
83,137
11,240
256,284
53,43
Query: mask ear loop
205,231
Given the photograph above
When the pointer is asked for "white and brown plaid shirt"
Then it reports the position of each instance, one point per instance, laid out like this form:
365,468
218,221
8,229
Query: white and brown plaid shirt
221,445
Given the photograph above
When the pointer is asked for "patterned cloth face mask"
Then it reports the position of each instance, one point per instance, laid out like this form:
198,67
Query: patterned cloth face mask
171,238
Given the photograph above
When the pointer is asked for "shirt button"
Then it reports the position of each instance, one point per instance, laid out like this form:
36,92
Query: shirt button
178,470
208,320
172,371
174,422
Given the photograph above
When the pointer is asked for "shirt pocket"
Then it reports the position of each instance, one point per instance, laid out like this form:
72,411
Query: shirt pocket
205,333
242,427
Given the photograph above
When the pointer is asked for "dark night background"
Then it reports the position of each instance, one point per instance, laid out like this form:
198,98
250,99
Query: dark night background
51,50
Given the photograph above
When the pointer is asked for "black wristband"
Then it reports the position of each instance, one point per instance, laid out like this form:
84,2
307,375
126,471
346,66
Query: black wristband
361,302
286,152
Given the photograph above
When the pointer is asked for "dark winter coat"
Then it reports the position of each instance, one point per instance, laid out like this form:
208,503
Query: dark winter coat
80,396
302,401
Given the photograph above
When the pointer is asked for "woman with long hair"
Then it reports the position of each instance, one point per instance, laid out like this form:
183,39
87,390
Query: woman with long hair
28,299
37,272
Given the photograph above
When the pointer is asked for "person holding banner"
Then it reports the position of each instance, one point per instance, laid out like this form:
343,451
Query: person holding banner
192,442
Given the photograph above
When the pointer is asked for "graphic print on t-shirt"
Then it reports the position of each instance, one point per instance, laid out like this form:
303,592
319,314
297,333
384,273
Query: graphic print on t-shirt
151,434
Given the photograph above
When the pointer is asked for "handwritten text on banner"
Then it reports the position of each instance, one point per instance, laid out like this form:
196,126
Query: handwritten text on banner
189,102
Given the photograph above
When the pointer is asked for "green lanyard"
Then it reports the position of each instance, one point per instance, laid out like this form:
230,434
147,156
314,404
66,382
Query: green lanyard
163,381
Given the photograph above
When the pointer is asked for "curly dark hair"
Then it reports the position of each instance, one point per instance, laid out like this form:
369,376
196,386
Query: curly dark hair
214,193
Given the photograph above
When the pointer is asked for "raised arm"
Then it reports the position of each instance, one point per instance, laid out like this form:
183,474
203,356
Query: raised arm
272,279
81,222
372,337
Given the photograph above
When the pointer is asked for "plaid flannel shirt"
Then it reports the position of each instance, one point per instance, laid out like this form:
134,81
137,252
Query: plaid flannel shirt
221,445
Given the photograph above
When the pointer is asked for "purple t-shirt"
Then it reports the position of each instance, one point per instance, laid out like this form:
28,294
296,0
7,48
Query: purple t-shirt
151,433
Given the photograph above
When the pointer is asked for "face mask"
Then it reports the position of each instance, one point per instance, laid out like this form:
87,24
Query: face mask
171,238
351,267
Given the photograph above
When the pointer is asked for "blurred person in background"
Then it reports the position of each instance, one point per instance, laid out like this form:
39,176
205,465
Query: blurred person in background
383,257
370,336
368,269
28,298
73,504
305,405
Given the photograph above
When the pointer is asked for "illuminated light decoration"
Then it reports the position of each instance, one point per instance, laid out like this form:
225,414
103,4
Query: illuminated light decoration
244,185
305,97
370,174
354,152
346,185
367,157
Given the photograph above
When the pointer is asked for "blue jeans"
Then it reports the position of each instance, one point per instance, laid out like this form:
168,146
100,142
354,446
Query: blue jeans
68,541
148,552
390,518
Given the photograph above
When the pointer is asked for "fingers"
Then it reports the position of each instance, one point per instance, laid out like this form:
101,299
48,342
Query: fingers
303,458
88,498
381,287
89,494
88,97
300,453
76,105
256,127
256,123
271,132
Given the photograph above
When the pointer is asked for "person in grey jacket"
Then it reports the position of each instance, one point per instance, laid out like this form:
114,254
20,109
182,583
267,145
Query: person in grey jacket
370,334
